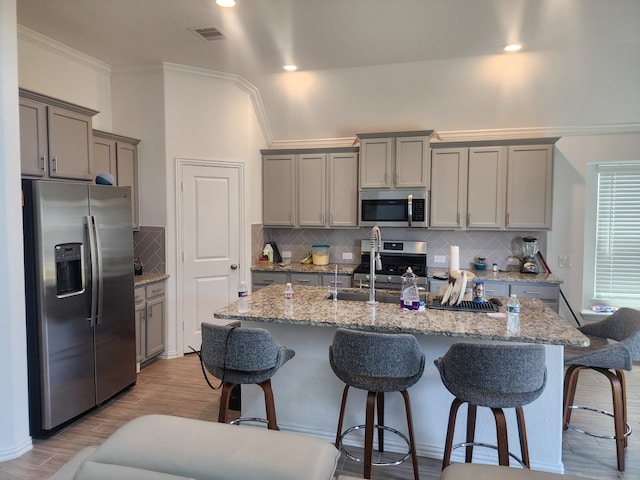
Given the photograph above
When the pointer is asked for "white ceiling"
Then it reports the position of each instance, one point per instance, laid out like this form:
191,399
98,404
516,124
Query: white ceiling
263,35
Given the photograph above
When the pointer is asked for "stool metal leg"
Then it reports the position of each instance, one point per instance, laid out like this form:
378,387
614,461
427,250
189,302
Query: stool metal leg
501,432
412,442
471,431
270,405
448,445
522,433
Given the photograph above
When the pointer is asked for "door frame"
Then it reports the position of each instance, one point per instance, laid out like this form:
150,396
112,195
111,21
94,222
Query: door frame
243,261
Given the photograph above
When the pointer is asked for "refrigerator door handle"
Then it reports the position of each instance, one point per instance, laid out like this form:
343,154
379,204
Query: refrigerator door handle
96,271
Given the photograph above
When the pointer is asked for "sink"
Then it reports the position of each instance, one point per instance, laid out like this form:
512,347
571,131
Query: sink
363,296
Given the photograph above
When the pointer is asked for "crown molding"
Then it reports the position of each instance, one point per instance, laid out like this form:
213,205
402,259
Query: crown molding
535,132
315,143
62,50
238,81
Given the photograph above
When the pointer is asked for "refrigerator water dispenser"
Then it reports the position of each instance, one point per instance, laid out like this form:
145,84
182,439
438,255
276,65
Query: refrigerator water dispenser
69,279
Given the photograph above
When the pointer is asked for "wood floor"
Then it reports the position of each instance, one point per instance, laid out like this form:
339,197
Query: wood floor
176,387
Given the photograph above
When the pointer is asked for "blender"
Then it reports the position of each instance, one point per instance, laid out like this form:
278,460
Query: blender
530,250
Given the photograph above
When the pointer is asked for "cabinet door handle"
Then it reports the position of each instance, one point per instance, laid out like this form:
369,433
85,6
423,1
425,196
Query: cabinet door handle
54,162
303,280
42,160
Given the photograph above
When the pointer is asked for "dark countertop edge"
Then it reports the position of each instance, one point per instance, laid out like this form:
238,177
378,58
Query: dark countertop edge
146,278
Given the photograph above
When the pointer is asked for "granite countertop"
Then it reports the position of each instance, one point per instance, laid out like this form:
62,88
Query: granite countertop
538,323
297,267
148,278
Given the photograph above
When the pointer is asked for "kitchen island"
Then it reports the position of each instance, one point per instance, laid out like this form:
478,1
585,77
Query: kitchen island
308,393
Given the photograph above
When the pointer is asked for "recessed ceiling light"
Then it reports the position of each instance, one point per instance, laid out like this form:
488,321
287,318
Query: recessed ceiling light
226,3
513,47
290,68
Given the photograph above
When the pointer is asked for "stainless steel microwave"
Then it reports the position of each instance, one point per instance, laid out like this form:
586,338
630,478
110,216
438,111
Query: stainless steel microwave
393,208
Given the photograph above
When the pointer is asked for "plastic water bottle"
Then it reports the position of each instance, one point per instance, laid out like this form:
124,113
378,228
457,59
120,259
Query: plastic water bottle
243,298
410,298
288,299
513,314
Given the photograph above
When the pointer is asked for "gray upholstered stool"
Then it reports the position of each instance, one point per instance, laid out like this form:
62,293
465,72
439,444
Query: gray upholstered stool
377,363
496,376
610,359
241,356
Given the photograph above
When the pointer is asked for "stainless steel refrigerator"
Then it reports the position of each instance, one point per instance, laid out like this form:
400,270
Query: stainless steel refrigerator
79,298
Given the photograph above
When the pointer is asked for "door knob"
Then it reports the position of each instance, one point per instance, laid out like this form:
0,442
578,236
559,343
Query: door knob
234,266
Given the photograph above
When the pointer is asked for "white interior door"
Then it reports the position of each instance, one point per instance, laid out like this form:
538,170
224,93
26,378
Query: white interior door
211,240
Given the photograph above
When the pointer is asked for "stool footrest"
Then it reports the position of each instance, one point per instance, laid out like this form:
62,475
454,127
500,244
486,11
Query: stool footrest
375,427
597,435
487,445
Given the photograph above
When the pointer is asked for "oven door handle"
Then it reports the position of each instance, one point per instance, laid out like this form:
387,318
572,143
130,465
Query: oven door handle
410,207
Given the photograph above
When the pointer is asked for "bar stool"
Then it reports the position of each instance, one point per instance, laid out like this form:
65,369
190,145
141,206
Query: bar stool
497,376
377,363
609,359
242,356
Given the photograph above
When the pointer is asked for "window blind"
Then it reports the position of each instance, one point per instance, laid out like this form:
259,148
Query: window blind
617,259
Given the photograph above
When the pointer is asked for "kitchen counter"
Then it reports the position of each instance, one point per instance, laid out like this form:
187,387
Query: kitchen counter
307,392
297,267
538,323
146,278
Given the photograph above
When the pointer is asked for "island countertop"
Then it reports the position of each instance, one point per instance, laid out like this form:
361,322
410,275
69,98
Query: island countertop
538,323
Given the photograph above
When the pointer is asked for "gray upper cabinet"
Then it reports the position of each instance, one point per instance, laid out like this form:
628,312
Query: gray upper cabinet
33,138
279,190
448,187
315,188
118,155
491,185
395,160
55,138
529,187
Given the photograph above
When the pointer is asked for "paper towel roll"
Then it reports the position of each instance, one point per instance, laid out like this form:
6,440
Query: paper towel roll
454,258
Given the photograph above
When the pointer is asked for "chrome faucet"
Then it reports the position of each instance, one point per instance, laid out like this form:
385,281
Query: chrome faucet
375,263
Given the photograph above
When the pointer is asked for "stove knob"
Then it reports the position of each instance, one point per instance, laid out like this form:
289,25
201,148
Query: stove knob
389,279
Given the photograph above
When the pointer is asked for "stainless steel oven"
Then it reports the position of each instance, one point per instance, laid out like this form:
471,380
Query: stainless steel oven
393,208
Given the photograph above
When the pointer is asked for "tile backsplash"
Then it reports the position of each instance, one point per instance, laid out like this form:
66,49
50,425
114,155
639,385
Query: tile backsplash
149,246
493,246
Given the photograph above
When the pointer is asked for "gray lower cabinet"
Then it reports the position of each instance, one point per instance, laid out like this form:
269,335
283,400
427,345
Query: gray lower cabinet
55,138
149,318
548,293
263,279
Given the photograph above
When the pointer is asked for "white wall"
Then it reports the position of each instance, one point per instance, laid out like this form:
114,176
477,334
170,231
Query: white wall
138,111
14,413
572,155
53,69
209,116
538,89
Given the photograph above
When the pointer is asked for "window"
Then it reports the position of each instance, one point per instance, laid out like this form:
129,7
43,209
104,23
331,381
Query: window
613,235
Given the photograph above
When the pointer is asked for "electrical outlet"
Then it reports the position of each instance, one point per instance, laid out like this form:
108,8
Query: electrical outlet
286,254
439,259
564,261
347,256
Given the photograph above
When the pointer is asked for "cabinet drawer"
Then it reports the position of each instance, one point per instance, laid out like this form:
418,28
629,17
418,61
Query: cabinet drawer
269,278
496,289
344,281
139,294
155,289
304,279
543,292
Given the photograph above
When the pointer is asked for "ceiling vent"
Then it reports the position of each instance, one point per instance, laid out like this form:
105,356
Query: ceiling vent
209,33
